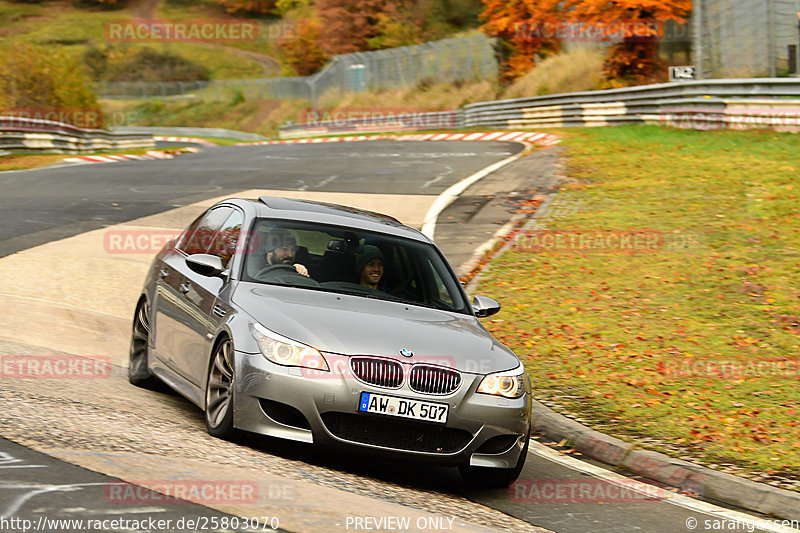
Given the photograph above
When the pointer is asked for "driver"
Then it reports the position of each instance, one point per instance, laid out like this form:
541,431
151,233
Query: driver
281,249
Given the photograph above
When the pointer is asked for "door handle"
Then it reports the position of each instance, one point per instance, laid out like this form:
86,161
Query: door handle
163,273
186,287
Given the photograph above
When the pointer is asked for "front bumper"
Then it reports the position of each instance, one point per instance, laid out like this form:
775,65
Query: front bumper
481,430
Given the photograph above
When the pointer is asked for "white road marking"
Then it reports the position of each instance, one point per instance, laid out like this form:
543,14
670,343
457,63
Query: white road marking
35,490
327,180
452,192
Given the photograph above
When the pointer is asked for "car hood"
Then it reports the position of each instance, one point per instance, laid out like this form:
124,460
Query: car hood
354,325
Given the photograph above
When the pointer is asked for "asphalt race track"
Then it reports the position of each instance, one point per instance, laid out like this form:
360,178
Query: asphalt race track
64,294
44,205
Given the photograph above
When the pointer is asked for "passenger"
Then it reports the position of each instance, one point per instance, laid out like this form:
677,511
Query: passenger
281,249
369,266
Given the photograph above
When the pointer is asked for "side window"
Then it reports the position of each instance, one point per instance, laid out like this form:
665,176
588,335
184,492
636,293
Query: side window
201,239
183,239
224,243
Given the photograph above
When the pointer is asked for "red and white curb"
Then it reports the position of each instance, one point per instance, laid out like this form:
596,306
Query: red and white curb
83,159
193,140
541,139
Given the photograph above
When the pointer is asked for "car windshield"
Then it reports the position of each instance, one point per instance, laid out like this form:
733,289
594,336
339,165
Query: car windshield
343,260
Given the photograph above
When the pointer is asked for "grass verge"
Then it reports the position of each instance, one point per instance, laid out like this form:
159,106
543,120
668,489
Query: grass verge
30,161
685,340
27,161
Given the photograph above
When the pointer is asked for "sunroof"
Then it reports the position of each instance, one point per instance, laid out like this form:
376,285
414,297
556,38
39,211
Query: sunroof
296,204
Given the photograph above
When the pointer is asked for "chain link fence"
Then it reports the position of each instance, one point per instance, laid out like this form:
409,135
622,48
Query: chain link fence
449,60
746,38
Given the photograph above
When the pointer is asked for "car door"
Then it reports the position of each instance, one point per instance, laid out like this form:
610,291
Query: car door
167,295
201,310
178,298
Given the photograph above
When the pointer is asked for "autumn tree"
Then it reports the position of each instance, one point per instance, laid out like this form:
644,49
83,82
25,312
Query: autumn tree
530,27
301,46
640,22
348,25
249,7
516,24
35,78
108,4
411,22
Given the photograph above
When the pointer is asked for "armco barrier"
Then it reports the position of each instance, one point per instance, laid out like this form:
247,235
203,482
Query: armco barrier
189,132
647,104
34,135
707,104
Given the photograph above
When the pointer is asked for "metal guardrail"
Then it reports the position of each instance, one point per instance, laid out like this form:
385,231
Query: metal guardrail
189,132
34,135
707,104
632,105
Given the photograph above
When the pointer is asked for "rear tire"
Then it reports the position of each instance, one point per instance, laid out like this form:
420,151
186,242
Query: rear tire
138,371
483,477
219,392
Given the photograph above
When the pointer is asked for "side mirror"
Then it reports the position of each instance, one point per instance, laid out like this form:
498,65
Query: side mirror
205,264
484,306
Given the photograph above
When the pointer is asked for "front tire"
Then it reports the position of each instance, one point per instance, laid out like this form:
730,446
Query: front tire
219,392
483,477
138,372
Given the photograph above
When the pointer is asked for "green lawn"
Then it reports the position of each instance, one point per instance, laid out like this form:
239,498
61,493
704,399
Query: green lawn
690,344
57,23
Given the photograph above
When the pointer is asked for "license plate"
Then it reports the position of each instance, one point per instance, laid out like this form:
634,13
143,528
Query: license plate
403,407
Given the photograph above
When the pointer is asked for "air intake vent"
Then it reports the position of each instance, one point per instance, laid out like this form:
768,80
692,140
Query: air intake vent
434,379
378,372
396,434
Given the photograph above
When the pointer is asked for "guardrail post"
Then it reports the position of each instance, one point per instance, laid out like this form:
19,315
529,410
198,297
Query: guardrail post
697,53
313,91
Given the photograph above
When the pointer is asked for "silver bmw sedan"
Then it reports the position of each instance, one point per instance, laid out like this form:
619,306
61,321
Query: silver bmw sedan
331,325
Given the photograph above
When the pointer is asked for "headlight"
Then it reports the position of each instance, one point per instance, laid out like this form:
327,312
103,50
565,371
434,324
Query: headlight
286,352
510,384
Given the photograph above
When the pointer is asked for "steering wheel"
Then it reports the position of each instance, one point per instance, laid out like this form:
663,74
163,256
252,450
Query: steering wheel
275,269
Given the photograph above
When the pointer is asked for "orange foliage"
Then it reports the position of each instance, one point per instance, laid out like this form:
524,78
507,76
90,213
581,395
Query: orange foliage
249,7
301,47
511,21
636,58
349,25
